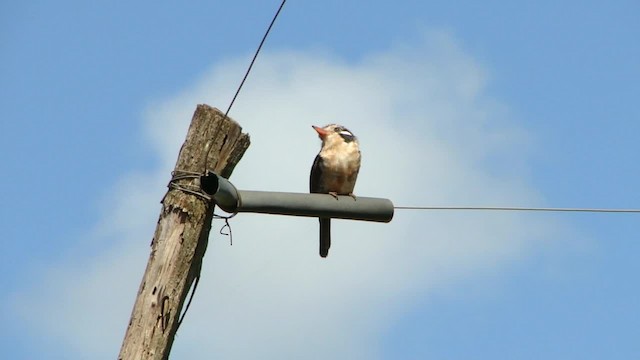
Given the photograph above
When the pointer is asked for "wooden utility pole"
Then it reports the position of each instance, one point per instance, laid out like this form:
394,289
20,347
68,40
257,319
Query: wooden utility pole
181,236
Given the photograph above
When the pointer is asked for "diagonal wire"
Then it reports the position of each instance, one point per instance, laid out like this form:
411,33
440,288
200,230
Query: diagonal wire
246,74
206,160
254,57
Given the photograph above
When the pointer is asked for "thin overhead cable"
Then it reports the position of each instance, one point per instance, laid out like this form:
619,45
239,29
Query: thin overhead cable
246,74
512,208
254,57
206,160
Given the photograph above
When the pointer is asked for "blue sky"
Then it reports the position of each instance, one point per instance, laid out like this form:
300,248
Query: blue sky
492,103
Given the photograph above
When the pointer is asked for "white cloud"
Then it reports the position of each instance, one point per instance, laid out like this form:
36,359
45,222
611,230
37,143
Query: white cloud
430,135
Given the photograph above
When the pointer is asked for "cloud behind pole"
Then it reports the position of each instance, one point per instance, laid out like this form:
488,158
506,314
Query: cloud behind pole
430,135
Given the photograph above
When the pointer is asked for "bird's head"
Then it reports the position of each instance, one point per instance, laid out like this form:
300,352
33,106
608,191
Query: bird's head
334,134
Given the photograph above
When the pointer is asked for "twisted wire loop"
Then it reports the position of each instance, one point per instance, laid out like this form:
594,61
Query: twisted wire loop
226,225
197,191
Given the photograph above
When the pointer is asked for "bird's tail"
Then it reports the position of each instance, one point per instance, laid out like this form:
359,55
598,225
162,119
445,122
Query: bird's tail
325,236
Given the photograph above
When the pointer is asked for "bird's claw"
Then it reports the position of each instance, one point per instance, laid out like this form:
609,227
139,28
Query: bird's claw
335,195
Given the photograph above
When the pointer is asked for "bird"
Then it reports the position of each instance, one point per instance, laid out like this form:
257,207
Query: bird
334,171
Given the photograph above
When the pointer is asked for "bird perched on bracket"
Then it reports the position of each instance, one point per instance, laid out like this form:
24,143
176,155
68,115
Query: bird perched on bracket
334,171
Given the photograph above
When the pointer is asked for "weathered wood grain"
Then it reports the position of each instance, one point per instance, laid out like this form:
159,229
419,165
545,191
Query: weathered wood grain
181,236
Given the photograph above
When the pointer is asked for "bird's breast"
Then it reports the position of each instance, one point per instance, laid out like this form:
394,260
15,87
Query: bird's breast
340,171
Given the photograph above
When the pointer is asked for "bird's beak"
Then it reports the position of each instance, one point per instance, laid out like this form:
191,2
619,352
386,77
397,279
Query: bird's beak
321,132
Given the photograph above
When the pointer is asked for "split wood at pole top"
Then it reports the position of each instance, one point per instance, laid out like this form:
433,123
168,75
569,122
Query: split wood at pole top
181,235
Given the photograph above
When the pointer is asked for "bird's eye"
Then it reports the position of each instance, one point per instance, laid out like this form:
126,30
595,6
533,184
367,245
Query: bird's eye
338,129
